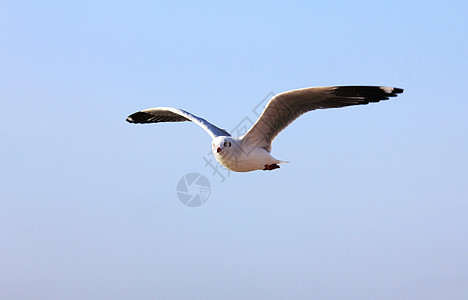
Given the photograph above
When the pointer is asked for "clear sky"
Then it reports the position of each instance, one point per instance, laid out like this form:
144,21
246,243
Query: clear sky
373,204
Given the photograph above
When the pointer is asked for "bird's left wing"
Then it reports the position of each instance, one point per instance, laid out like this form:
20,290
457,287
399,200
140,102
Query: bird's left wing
169,114
286,107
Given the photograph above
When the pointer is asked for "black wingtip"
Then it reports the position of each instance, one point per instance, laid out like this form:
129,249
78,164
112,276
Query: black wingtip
390,91
398,90
139,117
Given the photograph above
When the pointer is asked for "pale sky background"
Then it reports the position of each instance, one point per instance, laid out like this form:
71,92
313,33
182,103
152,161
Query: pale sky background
373,204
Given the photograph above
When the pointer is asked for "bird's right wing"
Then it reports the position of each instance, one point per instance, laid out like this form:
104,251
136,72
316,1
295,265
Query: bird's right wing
169,114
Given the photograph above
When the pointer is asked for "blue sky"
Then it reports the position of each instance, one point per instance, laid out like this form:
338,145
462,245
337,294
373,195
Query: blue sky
373,204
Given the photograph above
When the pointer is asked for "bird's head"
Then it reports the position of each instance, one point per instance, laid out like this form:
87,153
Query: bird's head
221,145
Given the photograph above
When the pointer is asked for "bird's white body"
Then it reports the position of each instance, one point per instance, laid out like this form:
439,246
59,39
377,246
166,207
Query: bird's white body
252,151
240,157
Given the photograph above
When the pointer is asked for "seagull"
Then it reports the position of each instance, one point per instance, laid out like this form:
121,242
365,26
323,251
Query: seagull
252,150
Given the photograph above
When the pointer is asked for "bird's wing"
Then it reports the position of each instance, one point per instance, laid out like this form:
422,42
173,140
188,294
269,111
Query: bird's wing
286,107
169,114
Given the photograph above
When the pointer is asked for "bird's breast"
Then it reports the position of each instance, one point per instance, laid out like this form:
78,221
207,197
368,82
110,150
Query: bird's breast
242,159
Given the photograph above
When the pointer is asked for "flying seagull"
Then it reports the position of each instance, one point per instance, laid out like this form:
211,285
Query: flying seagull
252,150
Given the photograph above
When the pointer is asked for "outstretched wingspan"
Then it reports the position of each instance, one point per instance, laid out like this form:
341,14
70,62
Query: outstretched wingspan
169,114
286,107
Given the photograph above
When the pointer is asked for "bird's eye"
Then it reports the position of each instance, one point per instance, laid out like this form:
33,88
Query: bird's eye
229,144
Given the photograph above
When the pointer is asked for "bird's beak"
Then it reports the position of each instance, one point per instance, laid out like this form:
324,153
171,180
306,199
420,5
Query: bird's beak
218,150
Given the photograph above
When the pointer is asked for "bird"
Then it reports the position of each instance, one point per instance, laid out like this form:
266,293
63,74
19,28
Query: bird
251,151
